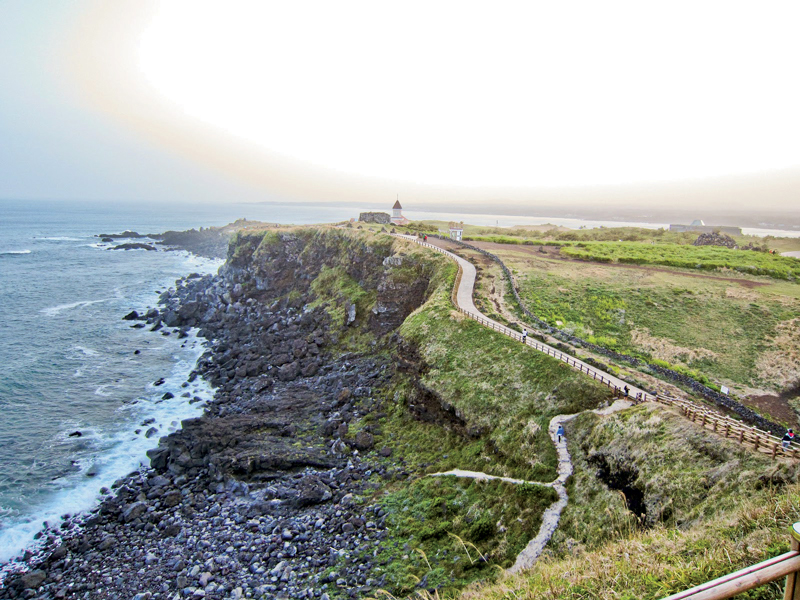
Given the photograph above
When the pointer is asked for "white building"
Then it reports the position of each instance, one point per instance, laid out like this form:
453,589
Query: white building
397,215
456,230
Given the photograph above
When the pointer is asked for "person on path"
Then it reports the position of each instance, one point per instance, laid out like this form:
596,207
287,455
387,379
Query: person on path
424,238
524,335
626,389
560,432
787,439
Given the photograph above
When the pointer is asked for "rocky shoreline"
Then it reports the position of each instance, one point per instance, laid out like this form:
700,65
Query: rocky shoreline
267,494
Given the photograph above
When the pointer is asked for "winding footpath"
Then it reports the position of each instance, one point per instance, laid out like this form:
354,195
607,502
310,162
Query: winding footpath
465,304
463,298
527,558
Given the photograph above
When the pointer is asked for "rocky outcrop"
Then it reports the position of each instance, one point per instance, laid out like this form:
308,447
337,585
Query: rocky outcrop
374,217
715,239
134,246
259,497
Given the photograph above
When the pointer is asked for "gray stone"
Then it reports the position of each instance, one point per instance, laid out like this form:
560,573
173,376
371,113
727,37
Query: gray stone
133,511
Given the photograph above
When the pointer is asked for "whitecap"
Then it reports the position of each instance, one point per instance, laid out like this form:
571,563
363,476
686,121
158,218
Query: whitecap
54,310
85,350
61,239
13,252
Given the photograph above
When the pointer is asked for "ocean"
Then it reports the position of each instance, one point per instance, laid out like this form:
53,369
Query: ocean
71,365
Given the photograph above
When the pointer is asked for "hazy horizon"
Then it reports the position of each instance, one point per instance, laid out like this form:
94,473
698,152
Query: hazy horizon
669,113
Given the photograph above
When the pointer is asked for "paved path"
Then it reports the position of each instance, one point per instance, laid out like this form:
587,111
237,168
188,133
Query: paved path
527,558
793,254
530,554
465,303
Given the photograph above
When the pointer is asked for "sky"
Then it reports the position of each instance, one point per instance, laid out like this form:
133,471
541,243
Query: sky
520,105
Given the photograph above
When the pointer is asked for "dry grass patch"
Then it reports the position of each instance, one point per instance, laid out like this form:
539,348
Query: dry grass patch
780,367
664,349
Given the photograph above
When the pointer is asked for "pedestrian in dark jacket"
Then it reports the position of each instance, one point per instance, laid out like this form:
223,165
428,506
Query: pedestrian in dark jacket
787,439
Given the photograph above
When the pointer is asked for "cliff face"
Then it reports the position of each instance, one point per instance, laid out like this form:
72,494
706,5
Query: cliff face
275,265
254,495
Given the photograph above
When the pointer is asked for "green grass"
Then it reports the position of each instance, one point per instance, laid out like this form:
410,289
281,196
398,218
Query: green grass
448,532
504,391
713,508
685,474
719,328
688,257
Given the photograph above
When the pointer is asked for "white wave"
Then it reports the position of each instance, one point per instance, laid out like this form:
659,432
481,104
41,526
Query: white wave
54,310
2,252
101,391
61,239
86,351
118,454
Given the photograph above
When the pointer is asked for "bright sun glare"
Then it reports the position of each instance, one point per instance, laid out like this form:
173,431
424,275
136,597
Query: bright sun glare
498,94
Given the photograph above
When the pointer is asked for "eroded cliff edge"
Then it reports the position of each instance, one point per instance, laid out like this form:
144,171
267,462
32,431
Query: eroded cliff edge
264,495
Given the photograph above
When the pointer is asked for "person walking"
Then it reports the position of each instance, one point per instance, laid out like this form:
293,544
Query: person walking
560,432
524,336
787,439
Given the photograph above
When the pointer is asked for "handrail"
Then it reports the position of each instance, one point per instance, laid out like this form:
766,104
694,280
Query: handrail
570,360
785,565
731,428
761,440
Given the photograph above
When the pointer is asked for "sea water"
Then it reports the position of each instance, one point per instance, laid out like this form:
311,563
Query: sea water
70,365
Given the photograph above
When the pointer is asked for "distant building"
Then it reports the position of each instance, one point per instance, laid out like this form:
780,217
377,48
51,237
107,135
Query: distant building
456,230
700,227
397,215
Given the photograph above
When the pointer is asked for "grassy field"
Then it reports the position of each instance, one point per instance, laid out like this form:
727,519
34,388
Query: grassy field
737,329
688,257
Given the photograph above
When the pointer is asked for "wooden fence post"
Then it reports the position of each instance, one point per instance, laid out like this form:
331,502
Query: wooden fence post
792,588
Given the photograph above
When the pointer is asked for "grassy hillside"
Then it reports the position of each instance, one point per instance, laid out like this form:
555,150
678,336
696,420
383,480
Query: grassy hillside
737,329
711,508
473,400
688,257
656,504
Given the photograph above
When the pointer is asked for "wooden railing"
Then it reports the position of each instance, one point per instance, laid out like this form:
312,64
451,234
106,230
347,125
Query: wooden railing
762,441
570,360
786,565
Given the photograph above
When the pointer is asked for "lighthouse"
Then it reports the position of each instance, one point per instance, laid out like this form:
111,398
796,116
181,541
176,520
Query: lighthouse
397,214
